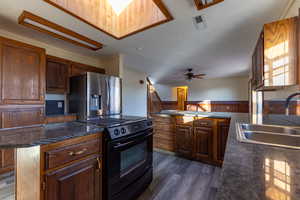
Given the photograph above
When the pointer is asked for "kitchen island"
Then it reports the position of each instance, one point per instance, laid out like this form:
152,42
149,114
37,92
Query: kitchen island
50,157
254,171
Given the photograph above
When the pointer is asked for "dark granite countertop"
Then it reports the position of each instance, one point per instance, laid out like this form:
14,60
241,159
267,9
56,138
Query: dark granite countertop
166,113
58,115
45,134
259,172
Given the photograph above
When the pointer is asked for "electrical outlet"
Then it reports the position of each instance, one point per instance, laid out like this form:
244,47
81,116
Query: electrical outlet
59,104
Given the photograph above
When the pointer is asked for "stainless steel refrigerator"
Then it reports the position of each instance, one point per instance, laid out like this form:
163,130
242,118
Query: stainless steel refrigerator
93,95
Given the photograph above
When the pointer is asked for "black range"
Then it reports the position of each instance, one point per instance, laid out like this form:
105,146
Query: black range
128,153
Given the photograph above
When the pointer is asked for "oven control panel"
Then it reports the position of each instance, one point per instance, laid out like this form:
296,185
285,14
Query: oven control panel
129,129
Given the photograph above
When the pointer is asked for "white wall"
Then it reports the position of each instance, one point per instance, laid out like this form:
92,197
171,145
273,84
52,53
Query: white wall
221,89
134,94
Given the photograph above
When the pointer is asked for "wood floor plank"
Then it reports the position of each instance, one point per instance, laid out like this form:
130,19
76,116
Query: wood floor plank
176,178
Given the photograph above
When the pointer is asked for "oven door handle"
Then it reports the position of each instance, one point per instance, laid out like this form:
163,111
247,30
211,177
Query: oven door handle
133,142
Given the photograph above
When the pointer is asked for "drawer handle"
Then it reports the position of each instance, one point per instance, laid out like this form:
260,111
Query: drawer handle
99,163
72,153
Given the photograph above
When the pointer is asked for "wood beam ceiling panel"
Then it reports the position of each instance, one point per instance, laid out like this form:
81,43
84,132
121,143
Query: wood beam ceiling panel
138,16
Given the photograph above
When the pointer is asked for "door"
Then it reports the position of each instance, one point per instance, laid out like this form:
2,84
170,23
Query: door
56,75
79,181
23,73
202,143
183,141
181,97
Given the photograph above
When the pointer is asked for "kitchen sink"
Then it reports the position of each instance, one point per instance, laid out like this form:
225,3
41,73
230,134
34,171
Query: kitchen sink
281,136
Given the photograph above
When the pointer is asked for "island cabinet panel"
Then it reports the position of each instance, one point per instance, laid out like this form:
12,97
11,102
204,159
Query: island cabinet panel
184,141
202,143
57,73
6,160
23,73
79,181
164,133
222,136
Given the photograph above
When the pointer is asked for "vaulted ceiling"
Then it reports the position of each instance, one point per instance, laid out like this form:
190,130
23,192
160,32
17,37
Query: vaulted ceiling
222,48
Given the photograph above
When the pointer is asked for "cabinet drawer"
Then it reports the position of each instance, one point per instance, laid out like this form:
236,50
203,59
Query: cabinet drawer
203,123
60,156
184,120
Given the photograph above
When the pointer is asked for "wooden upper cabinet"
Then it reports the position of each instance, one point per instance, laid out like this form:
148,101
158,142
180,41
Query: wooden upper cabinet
57,73
23,73
78,69
280,52
275,59
258,63
23,117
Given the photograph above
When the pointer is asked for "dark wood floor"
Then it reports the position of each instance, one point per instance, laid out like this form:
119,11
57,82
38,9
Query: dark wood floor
180,179
7,187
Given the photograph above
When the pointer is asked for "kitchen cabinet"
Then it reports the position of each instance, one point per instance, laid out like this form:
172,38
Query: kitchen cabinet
6,160
79,181
202,143
183,141
23,73
275,59
72,169
57,73
78,68
163,133
25,116
197,138
258,62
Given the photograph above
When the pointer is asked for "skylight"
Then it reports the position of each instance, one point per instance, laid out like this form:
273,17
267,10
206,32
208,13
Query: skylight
119,5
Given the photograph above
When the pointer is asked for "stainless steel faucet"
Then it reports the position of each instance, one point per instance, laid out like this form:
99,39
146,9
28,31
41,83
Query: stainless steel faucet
288,100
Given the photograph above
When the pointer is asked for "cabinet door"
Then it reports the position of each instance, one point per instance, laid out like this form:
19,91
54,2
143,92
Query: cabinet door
183,141
7,160
56,75
258,63
79,181
280,53
223,129
22,117
23,73
202,143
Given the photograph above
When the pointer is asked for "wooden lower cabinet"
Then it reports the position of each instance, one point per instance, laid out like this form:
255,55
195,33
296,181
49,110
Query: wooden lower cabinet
72,169
202,143
222,135
79,181
184,141
7,160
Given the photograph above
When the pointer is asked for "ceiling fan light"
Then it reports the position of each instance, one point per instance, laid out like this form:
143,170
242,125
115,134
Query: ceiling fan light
119,5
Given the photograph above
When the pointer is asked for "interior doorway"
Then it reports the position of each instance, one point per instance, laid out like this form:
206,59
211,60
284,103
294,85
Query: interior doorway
182,93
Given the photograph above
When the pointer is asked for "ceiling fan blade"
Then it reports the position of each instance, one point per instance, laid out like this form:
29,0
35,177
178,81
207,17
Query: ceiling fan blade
197,75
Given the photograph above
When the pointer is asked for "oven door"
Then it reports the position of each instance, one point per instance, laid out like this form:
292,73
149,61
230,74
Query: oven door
128,160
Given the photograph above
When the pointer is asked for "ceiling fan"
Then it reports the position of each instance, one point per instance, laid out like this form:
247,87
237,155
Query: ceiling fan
190,75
